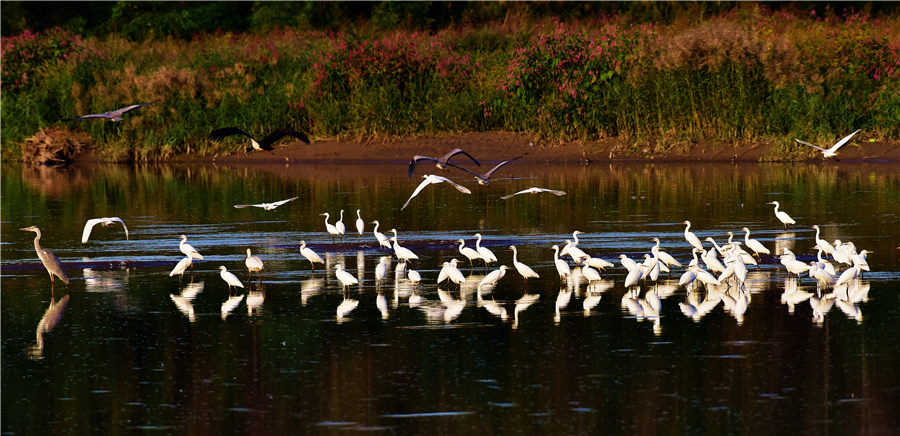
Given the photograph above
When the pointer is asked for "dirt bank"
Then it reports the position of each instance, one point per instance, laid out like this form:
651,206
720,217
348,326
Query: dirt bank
495,146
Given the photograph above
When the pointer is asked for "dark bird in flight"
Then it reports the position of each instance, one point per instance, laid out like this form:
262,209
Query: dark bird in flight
441,162
115,115
484,179
265,144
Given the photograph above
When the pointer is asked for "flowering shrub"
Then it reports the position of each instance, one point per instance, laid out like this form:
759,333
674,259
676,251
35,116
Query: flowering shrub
24,55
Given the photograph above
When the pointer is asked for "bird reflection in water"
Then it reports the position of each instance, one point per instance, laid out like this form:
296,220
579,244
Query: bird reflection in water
562,300
521,304
255,301
347,305
230,304
183,301
50,319
381,304
310,287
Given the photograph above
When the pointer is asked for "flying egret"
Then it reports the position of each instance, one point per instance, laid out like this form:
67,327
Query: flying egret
114,115
469,253
253,263
310,255
50,261
344,277
691,237
486,254
493,277
523,269
360,224
181,266
534,190
188,249
106,221
332,230
266,206
753,244
229,278
265,144
340,227
382,240
782,215
561,266
484,179
823,245
440,162
430,179
831,152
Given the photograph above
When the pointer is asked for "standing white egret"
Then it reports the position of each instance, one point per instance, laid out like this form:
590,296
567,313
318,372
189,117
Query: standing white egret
823,245
344,277
106,222
486,254
431,179
523,269
628,263
793,265
493,277
561,266
469,253
782,215
666,258
332,230
589,273
634,275
847,276
229,278
48,259
402,253
382,240
382,268
310,255
253,263
831,152
450,271
181,267
360,224
753,244
413,276
188,249
691,237
339,226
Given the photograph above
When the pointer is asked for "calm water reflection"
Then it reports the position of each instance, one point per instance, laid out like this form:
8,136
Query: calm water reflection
132,348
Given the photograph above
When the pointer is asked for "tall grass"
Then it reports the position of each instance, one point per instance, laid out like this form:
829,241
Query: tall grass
745,74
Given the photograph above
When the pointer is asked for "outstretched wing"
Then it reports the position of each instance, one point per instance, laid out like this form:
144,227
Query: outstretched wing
88,226
127,109
456,151
103,115
841,143
281,133
487,175
419,189
279,203
554,192
415,160
119,220
806,143
458,187
225,132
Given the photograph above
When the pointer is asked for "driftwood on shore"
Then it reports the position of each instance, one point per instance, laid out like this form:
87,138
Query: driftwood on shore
54,146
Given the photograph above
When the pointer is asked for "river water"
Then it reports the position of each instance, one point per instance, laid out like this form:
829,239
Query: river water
125,347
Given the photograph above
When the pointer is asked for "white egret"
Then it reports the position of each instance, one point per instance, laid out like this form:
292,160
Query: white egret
440,162
598,263
860,259
344,277
264,144
48,259
310,255
757,247
523,269
793,265
782,215
229,278
188,249
469,253
332,230
561,266
106,222
822,244
485,253
402,253
360,224
339,226
666,258
253,263
493,277
413,276
627,262
450,271
688,277
691,237
181,267
266,206
848,275
634,275
590,274
534,190
430,179
382,240
830,152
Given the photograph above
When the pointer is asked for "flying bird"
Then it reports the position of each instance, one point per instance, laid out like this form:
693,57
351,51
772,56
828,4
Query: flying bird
440,162
831,152
265,144
433,179
266,206
106,221
484,179
534,190
115,115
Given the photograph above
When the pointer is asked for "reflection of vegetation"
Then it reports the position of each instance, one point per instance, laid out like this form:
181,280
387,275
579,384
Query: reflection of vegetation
746,73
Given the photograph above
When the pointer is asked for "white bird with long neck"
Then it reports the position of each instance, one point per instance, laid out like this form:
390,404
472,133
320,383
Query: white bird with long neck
339,226
561,266
344,277
382,268
664,257
782,215
188,249
402,253
757,247
360,224
486,254
690,237
229,278
523,269
590,274
469,253
310,255
382,240
181,267
450,271
332,230
822,244
493,277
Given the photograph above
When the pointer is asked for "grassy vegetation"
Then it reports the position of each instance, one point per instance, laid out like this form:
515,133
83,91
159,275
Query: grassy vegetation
745,73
